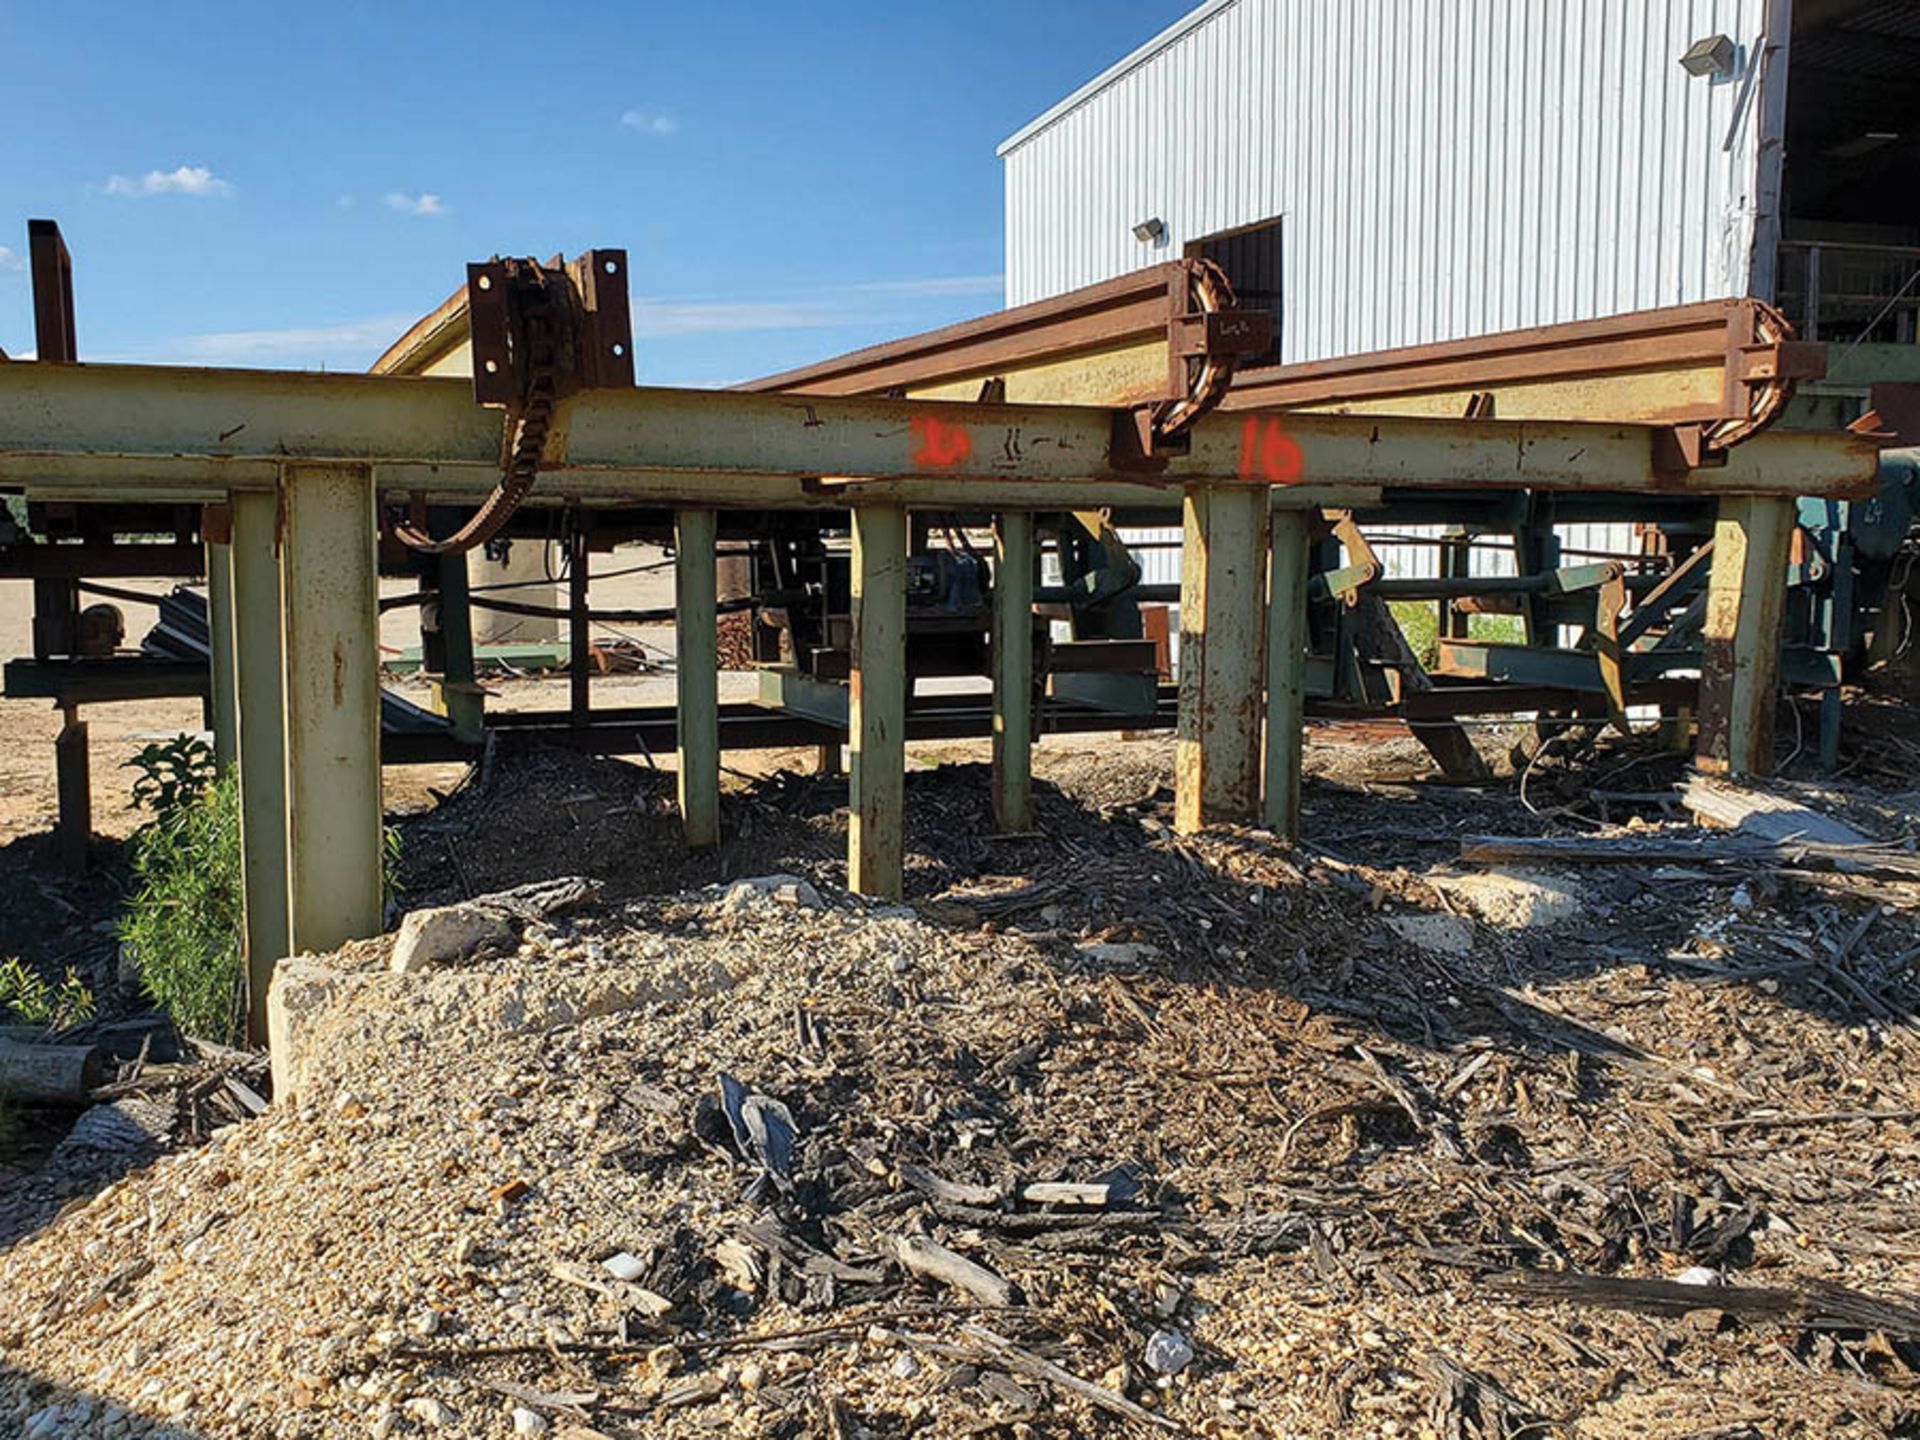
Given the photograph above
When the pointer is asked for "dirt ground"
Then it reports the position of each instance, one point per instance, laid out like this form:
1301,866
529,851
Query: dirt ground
1386,1142
1386,1156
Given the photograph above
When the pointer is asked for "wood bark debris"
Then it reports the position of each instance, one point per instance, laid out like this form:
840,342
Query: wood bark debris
931,1260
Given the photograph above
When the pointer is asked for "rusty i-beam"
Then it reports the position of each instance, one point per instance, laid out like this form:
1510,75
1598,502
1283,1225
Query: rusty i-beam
309,461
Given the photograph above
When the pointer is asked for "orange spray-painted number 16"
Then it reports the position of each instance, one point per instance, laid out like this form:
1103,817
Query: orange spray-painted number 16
940,444
1268,453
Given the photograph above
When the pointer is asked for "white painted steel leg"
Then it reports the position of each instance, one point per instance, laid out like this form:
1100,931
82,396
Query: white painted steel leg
260,704
697,671
878,718
331,629
1013,672
1222,656
220,652
1740,651
1286,671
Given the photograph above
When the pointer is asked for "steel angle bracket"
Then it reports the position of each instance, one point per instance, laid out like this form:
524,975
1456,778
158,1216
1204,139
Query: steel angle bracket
606,342
489,323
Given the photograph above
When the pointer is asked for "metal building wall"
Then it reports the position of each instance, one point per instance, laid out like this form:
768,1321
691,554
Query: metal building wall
1444,167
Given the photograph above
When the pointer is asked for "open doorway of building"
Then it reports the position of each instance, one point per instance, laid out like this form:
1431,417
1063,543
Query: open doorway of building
1251,255
1849,267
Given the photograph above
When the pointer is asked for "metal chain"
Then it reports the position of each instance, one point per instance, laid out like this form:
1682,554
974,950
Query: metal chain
529,417
1214,292
1770,327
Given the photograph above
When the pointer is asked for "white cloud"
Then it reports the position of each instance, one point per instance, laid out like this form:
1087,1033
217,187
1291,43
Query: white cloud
195,180
346,342
425,204
10,261
650,122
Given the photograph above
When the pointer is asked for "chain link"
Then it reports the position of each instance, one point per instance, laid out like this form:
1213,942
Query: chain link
529,416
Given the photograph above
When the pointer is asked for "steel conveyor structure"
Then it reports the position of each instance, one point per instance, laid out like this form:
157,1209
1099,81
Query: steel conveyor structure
300,476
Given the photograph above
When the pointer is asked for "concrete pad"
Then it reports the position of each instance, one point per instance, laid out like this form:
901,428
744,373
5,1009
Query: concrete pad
1441,934
1515,899
301,991
316,1013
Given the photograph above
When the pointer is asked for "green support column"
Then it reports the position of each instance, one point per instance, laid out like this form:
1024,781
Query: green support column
73,781
1286,671
220,653
697,671
331,627
1223,584
1013,672
457,693
1740,651
878,705
260,690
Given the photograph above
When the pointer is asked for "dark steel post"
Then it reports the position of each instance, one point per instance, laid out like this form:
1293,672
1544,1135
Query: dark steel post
73,781
580,650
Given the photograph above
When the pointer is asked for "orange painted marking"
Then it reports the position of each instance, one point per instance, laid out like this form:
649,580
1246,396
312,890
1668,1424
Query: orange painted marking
1268,453
940,444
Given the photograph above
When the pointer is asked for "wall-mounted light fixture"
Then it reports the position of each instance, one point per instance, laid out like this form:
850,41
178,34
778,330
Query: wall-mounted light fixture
1711,56
1148,231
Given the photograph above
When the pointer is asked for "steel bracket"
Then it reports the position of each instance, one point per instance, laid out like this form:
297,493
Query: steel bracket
1220,334
1678,449
1783,360
1138,447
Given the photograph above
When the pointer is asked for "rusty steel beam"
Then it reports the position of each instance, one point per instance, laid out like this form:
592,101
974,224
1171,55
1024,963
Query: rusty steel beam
1723,368
1137,334
1727,367
53,335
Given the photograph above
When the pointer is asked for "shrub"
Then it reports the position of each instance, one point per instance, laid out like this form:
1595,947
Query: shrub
27,999
173,774
185,922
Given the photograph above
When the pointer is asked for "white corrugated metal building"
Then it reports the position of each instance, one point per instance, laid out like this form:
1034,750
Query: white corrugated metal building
1395,172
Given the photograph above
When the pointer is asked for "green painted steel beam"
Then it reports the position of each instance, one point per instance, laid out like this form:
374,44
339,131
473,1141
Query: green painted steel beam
1013,558
331,631
802,695
1286,672
1514,664
697,676
878,703
168,430
259,673
457,692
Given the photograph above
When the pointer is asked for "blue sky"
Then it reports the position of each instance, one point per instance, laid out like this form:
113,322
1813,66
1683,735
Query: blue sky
290,185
